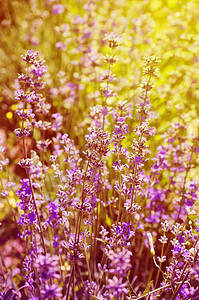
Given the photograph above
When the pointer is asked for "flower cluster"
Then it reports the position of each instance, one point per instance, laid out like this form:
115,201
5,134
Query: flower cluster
101,214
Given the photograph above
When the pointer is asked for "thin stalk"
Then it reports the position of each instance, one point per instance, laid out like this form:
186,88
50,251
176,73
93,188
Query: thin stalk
88,267
10,207
120,210
158,274
37,213
23,138
74,284
159,268
154,291
79,220
77,232
37,281
140,137
94,240
50,233
186,275
184,183
2,266
180,285
120,198
69,282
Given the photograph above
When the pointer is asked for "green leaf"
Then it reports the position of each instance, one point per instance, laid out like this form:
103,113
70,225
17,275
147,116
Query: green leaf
193,217
108,221
94,297
147,288
128,274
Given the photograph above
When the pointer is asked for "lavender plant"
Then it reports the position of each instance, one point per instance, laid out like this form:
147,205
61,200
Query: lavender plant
112,221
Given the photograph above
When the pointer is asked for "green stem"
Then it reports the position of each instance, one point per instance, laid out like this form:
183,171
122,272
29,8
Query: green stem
69,282
37,213
158,274
88,267
140,137
154,291
13,214
180,285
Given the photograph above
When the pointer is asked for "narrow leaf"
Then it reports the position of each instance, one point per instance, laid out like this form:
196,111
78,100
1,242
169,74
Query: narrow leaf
147,288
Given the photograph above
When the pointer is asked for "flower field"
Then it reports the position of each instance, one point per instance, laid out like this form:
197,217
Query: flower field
99,146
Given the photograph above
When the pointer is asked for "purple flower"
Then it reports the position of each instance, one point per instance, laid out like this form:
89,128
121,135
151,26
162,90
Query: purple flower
57,121
39,72
113,40
57,9
117,287
53,210
87,34
120,262
55,241
43,145
108,92
60,46
47,266
4,194
19,95
138,160
24,193
197,150
25,114
22,132
105,111
51,291
32,217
